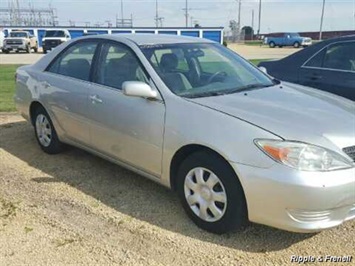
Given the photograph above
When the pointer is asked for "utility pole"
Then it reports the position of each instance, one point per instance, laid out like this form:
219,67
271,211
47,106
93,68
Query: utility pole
321,22
186,14
239,13
259,17
122,13
156,14
252,24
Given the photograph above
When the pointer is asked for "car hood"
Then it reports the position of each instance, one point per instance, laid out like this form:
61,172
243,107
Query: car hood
292,112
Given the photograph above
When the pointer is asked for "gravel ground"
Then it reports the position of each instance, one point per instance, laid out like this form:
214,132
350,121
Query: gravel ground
75,208
249,52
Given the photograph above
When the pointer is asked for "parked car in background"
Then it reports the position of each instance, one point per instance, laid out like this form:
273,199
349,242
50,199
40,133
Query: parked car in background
20,41
287,39
2,37
194,116
53,38
328,66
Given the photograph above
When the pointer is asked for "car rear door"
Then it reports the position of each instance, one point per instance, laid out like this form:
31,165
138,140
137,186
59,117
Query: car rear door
332,70
65,85
125,128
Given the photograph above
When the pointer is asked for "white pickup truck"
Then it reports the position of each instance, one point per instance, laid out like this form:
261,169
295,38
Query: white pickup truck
20,41
53,38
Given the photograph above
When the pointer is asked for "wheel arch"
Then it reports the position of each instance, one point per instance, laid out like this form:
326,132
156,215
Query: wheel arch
182,153
33,107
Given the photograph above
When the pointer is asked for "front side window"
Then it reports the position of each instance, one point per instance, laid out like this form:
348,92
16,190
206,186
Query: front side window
340,56
200,69
317,60
76,61
117,65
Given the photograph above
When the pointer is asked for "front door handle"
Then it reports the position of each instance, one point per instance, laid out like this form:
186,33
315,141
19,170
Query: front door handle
46,85
95,99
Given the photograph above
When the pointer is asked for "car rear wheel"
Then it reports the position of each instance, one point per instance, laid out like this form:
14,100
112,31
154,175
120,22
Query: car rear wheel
45,132
272,45
211,193
296,45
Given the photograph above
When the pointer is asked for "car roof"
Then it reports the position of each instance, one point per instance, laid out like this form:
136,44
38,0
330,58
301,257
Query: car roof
146,39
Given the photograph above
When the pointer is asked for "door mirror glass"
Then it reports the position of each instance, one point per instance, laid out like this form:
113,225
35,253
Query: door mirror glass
138,89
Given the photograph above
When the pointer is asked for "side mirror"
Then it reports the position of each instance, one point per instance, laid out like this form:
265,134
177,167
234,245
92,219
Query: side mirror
263,69
138,89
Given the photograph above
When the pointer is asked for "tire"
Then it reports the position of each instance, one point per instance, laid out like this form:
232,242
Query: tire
6,51
272,45
296,45
35,49
47,140
44,51
28,49
280,46
230,215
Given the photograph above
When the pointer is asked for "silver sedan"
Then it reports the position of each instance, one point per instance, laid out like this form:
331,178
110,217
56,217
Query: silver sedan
236,144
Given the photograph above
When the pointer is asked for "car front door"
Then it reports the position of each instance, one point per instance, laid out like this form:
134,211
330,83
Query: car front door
332,70
126,128
66,85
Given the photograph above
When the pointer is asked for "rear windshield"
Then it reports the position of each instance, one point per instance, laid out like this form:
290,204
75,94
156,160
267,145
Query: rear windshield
54,33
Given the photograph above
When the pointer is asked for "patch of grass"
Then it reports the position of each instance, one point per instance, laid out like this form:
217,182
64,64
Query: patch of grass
28,229
257,61
63,242
7,209
253,43
7,87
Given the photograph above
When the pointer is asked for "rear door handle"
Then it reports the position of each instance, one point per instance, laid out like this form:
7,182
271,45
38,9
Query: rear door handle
95,99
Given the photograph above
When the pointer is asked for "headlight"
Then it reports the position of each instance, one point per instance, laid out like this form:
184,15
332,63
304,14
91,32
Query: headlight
302,156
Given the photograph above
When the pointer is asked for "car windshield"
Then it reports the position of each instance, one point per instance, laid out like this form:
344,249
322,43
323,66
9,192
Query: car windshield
18,34
54,33
202,69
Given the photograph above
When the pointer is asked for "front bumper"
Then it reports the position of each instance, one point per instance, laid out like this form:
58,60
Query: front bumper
14,47
297,201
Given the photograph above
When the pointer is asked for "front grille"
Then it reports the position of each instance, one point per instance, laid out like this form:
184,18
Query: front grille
350,151
17,42
52,43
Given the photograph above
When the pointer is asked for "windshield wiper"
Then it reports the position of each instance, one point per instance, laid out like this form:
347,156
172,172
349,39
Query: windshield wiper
206,94
251,87
230,91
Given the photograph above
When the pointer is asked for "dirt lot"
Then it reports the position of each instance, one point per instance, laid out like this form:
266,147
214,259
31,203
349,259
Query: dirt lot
249,52
75,208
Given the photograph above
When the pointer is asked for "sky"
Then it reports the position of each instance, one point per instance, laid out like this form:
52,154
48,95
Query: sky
276,15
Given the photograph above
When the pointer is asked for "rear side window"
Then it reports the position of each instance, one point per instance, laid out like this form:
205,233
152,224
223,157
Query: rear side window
76,61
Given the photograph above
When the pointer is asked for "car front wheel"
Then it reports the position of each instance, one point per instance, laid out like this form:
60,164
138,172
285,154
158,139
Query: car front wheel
45,133
272,45
296,45
211,193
